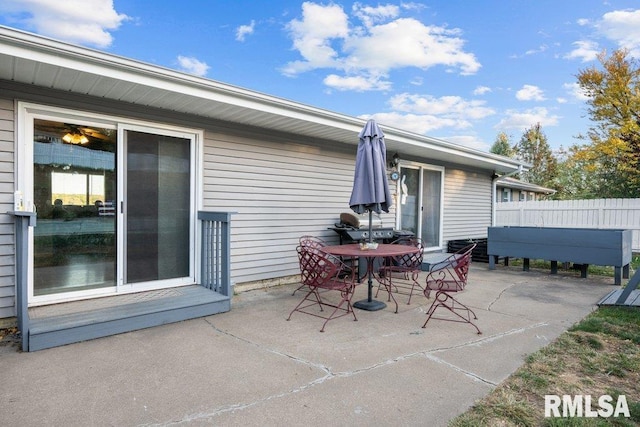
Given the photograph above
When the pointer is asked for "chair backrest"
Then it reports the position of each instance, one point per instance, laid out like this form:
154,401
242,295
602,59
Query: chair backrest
312,241
461,262
317,267
451,274
410,261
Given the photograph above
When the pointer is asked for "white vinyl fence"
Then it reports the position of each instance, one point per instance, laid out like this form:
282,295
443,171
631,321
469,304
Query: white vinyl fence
597,213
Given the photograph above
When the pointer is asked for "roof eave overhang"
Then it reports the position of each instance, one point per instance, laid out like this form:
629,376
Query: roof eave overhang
36,60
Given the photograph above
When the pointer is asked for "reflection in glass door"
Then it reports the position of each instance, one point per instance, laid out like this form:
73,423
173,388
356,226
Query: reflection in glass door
410,207
74,190
420,203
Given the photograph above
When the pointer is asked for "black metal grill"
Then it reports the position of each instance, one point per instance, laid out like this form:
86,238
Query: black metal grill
351,235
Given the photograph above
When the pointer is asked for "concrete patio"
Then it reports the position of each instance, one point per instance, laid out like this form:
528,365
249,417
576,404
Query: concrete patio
251,367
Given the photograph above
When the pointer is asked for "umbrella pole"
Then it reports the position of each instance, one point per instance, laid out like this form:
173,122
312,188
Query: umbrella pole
370,267
370,304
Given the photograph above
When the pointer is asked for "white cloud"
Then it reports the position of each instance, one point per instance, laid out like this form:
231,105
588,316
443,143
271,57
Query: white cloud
371,15
244,30
313,34
453,107
575,91
356,83
623,27
425,114
407,42
481,90
324,38
468,141
530,93
192,65
585,50
540,49
86,22
522,120
418,123
583,21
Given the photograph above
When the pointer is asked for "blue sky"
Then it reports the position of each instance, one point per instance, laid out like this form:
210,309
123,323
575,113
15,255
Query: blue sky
460,70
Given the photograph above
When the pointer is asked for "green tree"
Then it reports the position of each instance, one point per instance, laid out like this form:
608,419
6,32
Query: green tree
572,180
502,146
533,148
612,155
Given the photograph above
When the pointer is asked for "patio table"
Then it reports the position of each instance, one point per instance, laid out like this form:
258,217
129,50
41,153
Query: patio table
383,250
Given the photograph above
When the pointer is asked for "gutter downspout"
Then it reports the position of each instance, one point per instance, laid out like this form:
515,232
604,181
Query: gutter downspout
494,189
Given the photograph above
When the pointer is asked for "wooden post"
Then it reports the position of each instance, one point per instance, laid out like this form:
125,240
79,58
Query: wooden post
23,220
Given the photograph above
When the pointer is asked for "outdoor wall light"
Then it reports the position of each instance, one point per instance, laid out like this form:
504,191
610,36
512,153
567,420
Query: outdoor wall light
395,160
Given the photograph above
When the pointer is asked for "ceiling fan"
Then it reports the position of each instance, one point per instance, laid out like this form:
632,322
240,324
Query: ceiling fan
74,134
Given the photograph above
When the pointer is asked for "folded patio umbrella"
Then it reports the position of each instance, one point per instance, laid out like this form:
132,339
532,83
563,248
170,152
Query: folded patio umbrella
370,188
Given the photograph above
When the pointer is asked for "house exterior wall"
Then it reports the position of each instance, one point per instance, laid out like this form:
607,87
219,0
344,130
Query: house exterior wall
7,257
467,204
517,195
281,187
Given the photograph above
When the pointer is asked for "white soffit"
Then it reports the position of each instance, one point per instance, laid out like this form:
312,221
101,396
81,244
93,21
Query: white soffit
39,61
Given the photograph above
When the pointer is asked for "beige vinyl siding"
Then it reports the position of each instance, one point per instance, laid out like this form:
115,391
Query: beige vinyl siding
281,190
7,251
467,204
281,187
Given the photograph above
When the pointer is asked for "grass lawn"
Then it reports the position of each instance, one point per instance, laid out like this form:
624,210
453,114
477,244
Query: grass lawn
598,356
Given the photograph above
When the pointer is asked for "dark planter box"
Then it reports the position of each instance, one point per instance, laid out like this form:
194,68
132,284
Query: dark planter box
479,253
583,246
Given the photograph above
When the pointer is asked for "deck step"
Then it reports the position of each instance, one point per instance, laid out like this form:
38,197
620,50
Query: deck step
633,300
62,324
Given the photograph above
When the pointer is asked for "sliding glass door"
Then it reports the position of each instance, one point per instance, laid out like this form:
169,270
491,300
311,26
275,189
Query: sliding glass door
115,206
74,187
158,207
420,202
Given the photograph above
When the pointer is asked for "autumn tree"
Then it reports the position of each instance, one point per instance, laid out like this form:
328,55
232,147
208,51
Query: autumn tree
502,146
612,154
534,149
572,180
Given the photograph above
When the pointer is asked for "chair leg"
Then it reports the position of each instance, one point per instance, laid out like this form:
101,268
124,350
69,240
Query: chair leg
346,297
388,285
318,301
297,289
443,299
415,283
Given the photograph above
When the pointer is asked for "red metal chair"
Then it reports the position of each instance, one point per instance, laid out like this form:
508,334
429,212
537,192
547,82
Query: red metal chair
447,278
399,275
310,242
323,272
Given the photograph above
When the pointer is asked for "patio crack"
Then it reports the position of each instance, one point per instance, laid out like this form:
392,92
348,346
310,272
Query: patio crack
431,353
206,416
500,295
330,375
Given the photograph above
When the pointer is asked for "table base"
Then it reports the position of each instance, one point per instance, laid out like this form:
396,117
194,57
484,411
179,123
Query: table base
372,305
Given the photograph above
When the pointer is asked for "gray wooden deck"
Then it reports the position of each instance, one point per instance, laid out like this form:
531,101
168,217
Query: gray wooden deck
628,296
72,322
633,300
